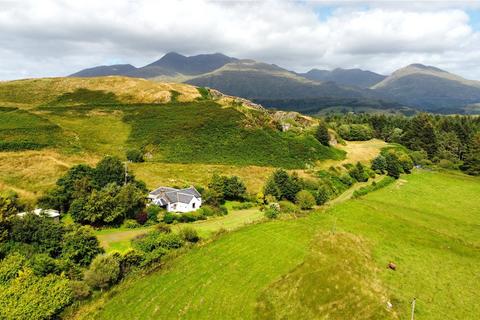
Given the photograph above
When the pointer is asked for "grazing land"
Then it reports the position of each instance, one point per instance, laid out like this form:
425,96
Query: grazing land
426,223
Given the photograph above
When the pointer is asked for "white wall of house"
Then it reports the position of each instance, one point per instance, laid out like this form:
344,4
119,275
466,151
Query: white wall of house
185,207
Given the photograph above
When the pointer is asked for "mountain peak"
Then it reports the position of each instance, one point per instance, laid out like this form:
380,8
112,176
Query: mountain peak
420,66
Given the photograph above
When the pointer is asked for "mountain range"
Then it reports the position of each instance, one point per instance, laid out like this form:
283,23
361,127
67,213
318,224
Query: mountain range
414,86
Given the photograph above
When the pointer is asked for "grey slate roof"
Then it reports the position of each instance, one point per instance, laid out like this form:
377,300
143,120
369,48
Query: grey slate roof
170,195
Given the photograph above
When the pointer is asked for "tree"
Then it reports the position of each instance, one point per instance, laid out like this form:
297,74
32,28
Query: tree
44,234
305,200
271,189
394,167
103,272
379,164
130,201
189,234
288,186
322,134
81,246
233,188
471,164
227,188
358,173
101,207
322,195
77,180
8,209
420,134
109,170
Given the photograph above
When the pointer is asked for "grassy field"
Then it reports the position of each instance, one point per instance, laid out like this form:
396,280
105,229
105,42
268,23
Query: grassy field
119,238
426,223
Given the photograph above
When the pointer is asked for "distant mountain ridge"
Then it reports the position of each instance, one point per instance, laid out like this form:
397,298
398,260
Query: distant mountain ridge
429,88
416,85
349,77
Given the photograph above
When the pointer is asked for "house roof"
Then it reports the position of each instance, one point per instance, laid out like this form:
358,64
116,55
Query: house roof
167,195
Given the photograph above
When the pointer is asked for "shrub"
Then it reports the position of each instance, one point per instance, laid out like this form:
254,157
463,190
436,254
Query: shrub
11,266
153,212
42,264
305,200
81,245
141,217
80,290
131,224
163,228
103,272
135,155
288,207
156,239
271,213
130,259
355,132
374,186
189,234
190,216
153,257
36,298
243,205
168,218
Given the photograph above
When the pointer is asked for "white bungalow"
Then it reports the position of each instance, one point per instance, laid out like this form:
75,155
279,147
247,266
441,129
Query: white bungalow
49,213
176,200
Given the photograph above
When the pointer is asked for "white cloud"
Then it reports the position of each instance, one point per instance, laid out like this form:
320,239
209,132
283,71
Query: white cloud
49,38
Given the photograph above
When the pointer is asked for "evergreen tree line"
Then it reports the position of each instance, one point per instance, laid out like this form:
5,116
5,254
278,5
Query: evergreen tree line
452,141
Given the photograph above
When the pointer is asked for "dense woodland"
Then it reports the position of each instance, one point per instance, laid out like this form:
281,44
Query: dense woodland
450,141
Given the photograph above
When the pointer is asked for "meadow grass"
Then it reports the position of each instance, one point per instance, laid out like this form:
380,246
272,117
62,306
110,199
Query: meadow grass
426,223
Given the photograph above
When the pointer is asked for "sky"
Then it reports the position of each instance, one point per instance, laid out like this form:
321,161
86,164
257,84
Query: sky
43,38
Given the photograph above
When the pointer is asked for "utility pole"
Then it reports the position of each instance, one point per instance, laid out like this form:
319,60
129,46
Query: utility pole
413,308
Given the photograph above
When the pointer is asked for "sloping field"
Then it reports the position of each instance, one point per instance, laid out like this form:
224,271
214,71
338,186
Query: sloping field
426,223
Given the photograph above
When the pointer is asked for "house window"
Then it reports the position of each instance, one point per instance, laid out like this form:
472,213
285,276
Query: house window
193,205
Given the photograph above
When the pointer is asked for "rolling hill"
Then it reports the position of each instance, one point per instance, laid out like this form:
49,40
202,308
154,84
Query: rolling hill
63,121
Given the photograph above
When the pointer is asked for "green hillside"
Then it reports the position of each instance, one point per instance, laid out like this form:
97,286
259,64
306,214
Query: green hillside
22,130
425,223
72,120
